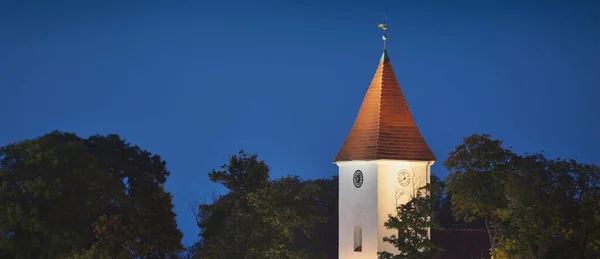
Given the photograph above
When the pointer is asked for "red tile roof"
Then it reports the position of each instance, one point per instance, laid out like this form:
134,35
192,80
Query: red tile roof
384,127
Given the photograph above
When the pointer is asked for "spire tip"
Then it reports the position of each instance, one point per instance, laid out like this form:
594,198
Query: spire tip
383,26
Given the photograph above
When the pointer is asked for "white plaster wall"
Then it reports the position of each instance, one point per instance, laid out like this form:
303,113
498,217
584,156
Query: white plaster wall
357,207
391,194
370,205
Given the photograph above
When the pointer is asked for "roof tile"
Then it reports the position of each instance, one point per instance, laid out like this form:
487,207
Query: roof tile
384,127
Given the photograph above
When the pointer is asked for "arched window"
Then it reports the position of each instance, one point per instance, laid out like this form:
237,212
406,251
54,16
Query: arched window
357,239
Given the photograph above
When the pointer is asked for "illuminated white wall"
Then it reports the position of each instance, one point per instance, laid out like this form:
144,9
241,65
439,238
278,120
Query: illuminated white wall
370,205
357,207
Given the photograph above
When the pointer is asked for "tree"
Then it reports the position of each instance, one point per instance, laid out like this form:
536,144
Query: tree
192,251
583,225
475,167
282,208
258,217
63,196
553,205
533,207
413,222
141,221
531,213
49,195
323,241
243,174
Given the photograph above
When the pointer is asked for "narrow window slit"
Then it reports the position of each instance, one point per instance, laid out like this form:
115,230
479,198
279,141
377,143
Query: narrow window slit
357,239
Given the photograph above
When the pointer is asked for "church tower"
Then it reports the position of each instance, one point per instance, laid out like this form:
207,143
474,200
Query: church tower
382,163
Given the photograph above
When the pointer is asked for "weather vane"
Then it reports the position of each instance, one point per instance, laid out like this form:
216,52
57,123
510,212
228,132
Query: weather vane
383,26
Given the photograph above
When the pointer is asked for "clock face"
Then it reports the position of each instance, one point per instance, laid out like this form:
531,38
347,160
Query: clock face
357,179
403,178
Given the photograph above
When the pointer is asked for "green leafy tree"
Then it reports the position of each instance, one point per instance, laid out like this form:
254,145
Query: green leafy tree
532,213
283,207
583,225
63,196
413,221
475,169
323,241
191,252
552,208
532,207
257,218
242,174
141,221
49,196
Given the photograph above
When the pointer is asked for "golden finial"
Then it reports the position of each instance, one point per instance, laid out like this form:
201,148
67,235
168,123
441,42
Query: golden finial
383,26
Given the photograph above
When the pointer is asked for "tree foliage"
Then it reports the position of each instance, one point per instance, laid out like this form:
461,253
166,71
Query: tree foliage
533,207
413,221
323,241
555,206
63,196
258,217
475,167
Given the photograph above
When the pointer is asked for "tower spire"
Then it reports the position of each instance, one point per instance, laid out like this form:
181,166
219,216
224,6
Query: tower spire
383,160
383,26
384,127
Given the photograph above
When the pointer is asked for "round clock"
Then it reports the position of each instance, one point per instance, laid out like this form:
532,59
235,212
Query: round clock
357,179
403,178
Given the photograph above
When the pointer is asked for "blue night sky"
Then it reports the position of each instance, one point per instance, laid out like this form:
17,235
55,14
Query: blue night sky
195,82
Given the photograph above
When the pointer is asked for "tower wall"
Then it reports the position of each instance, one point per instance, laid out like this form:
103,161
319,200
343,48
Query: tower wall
370,205
391,193
358,207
